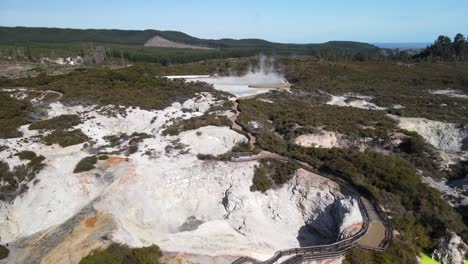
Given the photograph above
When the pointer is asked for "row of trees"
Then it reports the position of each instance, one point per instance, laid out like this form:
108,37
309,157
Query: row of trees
446,49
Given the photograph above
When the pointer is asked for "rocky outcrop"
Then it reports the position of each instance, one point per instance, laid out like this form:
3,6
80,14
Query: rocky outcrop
321,139
451,249
211,140
443,136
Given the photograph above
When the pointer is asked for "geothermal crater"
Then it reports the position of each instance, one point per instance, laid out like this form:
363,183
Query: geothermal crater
162,193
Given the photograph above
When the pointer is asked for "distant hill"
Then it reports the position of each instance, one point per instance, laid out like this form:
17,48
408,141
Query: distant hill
10,35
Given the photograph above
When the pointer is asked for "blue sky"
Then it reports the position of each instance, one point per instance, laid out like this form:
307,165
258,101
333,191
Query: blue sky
295,21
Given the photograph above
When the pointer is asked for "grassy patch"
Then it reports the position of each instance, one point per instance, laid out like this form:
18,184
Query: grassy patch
62,122
13,114
85,164
426,259
65,138
120,254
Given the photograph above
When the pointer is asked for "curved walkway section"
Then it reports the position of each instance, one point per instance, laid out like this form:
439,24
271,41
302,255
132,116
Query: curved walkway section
375,234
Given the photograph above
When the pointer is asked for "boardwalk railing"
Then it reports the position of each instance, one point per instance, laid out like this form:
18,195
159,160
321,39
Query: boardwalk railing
336,249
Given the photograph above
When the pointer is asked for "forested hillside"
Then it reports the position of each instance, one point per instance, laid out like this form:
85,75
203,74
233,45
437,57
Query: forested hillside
23,43
139,37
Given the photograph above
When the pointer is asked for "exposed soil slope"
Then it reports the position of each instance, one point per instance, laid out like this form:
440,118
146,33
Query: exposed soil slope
158,41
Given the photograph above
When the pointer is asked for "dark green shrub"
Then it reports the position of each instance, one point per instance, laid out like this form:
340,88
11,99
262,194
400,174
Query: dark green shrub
206,157
4,252
62,122
15,181
414,144
13,114
26,154
241,147
398,252
281,172
272,172
65,138
260,181
85,164
35,162
103,157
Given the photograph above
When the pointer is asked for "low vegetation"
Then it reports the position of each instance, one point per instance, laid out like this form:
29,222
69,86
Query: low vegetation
136,86
35,161
13,114
15,180
290,117
244,146
4,252
132,145
388,174
122,254
389,83
103,157
398,252
272,173
176,146
65,138
85,164
62,122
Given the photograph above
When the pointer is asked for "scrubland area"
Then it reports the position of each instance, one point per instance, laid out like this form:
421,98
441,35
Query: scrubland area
380,158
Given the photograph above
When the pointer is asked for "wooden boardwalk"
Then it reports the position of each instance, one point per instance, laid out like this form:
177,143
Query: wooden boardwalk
375,234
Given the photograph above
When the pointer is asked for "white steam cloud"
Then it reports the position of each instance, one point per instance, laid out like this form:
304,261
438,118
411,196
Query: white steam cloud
264,73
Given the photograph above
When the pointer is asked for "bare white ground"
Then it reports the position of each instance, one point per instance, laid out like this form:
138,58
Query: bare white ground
321,139
450,92
354,100
444,136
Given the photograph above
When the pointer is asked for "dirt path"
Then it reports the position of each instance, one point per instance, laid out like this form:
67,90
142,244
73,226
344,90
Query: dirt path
236,125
